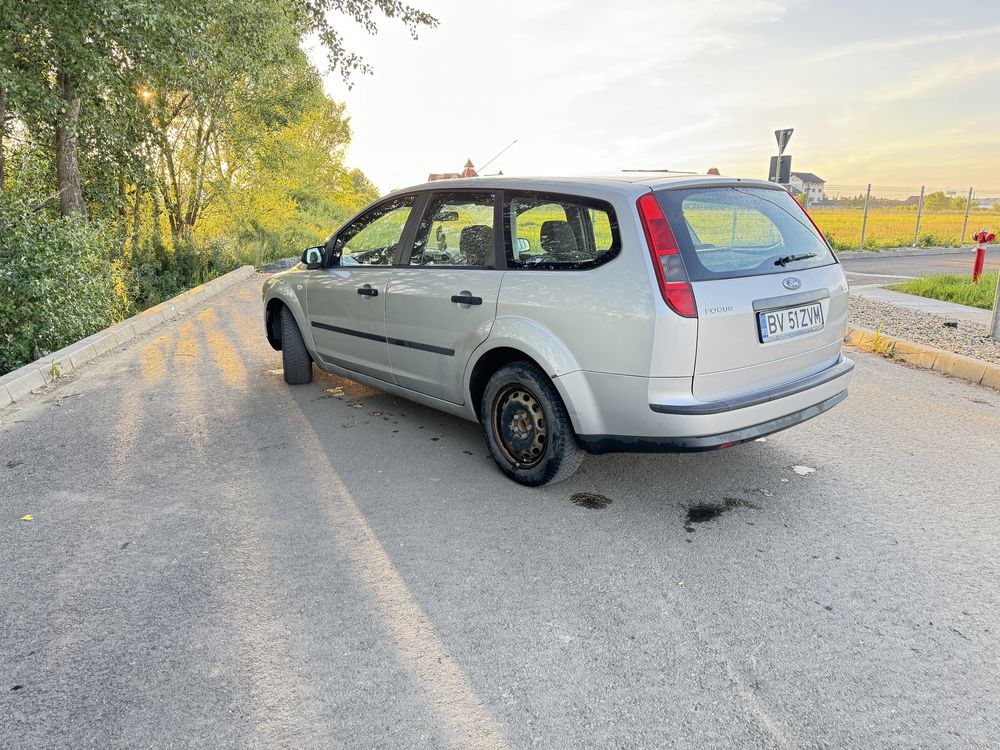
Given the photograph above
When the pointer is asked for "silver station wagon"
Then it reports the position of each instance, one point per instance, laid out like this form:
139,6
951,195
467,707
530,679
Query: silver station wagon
635,313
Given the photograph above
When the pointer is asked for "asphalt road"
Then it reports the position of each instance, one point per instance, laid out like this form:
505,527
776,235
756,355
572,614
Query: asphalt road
879,269
218,560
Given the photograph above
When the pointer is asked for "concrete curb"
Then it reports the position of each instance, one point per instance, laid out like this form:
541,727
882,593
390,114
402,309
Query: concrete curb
904,252
920,355
22,381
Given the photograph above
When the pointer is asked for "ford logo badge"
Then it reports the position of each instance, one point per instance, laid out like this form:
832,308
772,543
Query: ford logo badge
791,283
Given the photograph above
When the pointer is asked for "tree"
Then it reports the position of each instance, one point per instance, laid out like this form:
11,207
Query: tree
286,185
3,136
67,66
936,201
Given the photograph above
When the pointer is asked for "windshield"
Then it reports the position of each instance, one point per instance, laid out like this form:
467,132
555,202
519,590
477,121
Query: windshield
727,232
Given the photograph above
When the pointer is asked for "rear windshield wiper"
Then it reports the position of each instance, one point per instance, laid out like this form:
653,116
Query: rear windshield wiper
784,260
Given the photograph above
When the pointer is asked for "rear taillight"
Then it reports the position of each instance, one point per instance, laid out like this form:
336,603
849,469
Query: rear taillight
667,261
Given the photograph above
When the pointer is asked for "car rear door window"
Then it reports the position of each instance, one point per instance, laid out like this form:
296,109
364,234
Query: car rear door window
456,230
556,232
729,232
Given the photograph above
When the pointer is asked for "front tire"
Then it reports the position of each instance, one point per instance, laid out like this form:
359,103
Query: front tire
527,427
295,359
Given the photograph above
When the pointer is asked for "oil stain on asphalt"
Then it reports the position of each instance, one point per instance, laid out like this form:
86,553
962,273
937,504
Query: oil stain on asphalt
590,500
704,512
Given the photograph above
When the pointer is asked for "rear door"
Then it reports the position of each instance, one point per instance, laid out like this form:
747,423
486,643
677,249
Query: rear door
771,297
441,303
347,299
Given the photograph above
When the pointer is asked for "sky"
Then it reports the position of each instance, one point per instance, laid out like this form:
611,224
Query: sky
892,92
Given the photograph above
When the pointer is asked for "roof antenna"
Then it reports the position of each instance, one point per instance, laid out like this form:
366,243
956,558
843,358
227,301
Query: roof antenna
480,170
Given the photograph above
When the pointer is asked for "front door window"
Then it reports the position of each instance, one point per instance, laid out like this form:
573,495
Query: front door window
372,239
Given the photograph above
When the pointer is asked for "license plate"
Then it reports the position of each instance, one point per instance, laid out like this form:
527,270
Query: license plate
792,321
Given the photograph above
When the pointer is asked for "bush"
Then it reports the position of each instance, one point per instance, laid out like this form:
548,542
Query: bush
157,273
58,283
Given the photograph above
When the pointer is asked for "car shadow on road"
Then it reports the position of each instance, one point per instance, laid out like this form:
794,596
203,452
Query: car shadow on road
434,455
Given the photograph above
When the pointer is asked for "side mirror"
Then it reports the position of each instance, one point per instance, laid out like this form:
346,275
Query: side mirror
522,245
313,256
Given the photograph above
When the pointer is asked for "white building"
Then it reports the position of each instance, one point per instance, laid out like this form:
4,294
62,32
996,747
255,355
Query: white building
808,183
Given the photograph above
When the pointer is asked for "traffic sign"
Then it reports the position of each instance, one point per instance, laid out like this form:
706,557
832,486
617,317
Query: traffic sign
782,137
781,169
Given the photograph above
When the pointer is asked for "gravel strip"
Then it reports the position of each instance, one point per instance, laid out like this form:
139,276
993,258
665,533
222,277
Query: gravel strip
279,265
970,339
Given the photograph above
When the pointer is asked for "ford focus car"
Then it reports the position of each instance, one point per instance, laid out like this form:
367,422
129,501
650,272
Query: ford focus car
633,313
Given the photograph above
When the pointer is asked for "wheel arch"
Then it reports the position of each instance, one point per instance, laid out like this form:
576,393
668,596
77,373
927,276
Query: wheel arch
487,364
513,340
278,293
272,322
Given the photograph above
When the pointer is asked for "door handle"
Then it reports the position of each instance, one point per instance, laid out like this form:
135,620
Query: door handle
466,299
367,291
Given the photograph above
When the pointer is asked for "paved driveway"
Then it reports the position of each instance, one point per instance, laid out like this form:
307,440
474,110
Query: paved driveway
219,560
874,268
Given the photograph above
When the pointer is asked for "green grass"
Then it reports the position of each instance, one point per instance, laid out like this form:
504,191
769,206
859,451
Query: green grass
953,288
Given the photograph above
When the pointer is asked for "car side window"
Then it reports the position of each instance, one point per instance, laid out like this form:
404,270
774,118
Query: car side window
456,230
372,239
550,232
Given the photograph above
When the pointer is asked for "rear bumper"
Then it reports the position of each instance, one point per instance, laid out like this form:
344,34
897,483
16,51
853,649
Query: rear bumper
843,367
636,444
614,413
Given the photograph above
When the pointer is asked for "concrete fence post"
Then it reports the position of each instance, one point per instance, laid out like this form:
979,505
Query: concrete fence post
965,224
920,210
864,220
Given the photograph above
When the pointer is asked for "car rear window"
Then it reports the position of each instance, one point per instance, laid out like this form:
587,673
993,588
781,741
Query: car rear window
727,232
547,231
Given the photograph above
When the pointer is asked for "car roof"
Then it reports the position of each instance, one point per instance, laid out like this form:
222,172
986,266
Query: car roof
628,180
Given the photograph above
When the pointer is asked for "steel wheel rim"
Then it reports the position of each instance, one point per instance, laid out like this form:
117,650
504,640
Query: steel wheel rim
519,427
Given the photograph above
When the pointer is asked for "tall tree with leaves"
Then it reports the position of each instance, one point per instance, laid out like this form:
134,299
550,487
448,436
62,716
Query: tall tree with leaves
65,66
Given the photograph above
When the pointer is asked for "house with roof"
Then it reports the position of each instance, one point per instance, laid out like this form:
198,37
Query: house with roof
808,183
467,171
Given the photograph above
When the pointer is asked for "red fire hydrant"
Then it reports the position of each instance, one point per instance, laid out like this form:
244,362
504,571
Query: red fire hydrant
981,239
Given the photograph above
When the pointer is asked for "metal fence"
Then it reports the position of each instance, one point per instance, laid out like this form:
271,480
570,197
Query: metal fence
868,216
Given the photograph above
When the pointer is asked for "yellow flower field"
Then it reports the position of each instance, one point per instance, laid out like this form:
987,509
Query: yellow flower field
894,227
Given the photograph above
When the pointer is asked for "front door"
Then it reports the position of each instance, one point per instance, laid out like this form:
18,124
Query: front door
440,306
347,298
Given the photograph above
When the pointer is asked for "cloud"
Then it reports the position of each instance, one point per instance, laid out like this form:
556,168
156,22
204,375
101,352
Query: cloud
869,46
950,74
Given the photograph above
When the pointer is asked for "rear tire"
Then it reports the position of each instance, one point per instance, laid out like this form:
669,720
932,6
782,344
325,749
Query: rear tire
527,427
295,359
